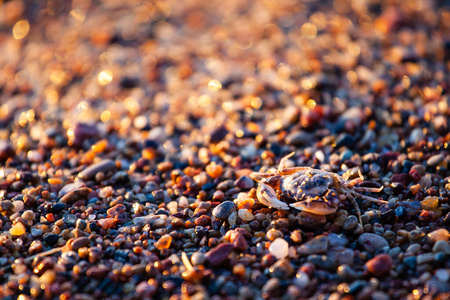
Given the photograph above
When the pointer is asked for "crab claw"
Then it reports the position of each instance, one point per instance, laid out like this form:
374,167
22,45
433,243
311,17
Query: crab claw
267,196
318,207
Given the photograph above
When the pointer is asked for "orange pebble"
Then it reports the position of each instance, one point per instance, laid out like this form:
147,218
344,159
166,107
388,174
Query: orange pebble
54,181
149,153
214,170
50,217
246,204
100,146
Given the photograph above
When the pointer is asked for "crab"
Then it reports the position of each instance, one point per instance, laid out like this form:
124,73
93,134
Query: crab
315,191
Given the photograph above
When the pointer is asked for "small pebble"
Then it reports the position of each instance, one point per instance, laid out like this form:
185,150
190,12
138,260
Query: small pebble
380,265
279,248
223,210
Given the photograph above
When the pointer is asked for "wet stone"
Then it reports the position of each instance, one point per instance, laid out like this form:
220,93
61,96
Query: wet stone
223,210
435,160
440,234
441,246
279,248
350,223
219,254
103,166
281,269
319,244
337,240
244,182
380,265
51,239
372,242
70,187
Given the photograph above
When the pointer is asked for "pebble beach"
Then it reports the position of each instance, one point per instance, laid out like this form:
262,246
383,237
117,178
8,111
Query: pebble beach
129,131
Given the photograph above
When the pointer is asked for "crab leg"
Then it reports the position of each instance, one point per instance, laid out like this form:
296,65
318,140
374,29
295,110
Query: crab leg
358,211
366,197
284,160
267,196
257,176
368,189
356,181
289,171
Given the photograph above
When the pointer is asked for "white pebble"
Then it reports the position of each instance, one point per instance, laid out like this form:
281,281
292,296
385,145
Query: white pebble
245,215
18,206
172,206
279,248
183,202
34,156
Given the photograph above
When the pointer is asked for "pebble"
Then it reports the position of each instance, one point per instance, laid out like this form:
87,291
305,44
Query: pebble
103,166
219,254
301,280
425,258
164,242
70,187
442,246
442,275
435,160
337,240
279,248
319,244
430,203
75,195
380,265
372,242
244,182
281,269
440,234
17,229
298,138
223,210
350,223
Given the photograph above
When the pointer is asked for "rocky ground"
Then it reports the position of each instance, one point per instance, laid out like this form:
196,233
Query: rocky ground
129,130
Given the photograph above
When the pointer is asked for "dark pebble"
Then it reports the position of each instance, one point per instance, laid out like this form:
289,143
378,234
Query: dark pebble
219,254
410,262
244,182
223,210
56,208
103,166
346,140
51,239
218,134
82,132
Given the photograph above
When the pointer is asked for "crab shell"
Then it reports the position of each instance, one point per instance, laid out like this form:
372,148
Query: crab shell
313,191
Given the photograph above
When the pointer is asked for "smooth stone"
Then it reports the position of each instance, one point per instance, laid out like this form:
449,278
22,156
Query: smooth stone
223,210
441,246
70,187
442,275
75,195
271,286
380,265
279,248
372,242
337,240
350,223
244,182
282,269
57,207
414,248
79,243
435,160
346,273
440,234
322,262
341,256
218,134
51,239
425,258
410,262
319,244
219,254
103,166
298,138
301,280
